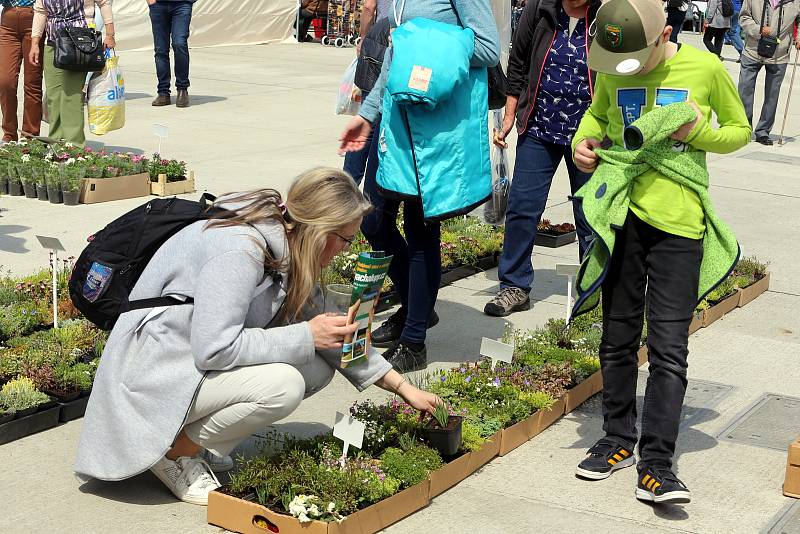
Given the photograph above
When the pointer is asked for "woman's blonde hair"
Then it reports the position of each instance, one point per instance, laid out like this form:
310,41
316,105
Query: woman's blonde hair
319,202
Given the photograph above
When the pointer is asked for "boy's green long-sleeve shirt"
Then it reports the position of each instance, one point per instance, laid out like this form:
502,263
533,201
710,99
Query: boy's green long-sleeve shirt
689,76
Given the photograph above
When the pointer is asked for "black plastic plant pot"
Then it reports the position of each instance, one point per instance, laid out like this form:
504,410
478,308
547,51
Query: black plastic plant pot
4,186
27,411
31,424
73,410
54,195
15,189
445,440
71,197
5,417
553,240
30,190
41,192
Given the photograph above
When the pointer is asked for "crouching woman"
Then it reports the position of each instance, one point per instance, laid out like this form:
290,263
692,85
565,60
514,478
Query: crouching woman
179,387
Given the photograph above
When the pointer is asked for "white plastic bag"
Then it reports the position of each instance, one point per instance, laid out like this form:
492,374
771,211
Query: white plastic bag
348,101
106,107
494,211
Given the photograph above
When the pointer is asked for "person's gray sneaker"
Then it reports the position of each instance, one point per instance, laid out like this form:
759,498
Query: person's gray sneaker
507,301
218,464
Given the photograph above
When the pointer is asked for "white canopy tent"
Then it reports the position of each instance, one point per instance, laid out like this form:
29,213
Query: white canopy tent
214,22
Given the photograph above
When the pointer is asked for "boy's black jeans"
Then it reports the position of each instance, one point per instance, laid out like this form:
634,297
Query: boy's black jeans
660,269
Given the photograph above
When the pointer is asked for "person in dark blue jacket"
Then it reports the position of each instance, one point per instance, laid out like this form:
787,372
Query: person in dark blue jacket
416,268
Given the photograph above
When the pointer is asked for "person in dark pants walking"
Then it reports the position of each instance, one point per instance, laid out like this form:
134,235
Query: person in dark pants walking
547,97
766,18
170,20
676,15
734,35
716,26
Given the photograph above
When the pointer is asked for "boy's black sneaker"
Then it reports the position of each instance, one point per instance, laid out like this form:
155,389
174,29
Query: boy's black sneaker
391,329
660,485
604,458
406,357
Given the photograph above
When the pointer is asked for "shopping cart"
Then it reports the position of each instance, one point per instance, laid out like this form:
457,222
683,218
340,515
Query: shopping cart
343,23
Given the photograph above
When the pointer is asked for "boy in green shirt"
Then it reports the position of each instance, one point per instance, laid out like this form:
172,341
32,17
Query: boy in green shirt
658,252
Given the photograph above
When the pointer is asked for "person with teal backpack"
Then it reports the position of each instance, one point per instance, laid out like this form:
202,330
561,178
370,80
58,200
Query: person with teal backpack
433,151
659,246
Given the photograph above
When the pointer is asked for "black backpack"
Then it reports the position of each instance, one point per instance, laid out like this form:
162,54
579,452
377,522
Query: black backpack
727,8
109,267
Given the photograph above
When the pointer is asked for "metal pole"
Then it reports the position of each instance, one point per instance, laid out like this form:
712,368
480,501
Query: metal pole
55,289
789,96
569,297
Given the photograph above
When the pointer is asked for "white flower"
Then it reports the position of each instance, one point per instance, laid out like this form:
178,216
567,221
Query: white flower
68,145
49,156
70,161
81,158
313,511
303,518
331,507
26,157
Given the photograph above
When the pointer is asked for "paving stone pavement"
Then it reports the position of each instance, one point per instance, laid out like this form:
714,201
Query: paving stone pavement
261,115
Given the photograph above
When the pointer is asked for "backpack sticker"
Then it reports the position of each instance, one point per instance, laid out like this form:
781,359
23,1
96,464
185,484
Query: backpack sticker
96,281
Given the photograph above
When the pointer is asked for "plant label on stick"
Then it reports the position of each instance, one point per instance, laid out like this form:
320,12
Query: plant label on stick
570,270
53,245
162,132
350,430
497,351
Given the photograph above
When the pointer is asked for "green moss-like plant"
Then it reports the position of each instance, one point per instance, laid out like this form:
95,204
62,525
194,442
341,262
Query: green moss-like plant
410,466
20,394
471,439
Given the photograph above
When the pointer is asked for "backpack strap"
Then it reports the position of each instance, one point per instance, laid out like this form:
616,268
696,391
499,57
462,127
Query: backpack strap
156,302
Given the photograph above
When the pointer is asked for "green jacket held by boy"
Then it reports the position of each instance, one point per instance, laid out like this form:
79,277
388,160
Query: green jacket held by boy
663,182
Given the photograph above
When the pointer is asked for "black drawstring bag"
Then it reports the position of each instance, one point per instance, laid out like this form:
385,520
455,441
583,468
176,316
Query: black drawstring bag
79,49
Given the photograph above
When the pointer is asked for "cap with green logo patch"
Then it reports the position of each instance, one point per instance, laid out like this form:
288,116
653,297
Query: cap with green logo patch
625,33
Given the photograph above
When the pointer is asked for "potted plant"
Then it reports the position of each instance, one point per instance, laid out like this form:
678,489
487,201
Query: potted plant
39,171
52,179
21,396
4,177
6,415
71,183
14,181
555,235
444,431
26,176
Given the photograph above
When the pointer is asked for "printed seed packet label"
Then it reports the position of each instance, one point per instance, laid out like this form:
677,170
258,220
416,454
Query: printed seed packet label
420,78
497,351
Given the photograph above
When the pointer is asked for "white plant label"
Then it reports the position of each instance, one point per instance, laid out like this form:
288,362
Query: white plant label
54,245
497,351
570,270
162,132
350,430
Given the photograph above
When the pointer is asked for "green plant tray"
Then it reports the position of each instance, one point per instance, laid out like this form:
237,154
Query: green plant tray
449,276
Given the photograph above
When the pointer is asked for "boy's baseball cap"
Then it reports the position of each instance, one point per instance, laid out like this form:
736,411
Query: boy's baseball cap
626,32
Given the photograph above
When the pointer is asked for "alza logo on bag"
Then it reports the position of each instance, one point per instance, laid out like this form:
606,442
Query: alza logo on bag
118,91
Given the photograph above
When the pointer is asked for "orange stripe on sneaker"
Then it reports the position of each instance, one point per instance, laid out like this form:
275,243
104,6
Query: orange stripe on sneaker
612,461
655,486
651,484
645,479
624,453
617,457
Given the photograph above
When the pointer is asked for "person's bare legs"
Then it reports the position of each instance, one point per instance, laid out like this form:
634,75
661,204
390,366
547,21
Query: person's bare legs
183,446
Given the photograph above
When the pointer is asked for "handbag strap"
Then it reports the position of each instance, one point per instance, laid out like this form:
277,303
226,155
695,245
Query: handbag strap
764,17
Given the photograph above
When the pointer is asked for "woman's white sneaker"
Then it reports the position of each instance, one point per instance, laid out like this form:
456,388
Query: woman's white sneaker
189,479
218,464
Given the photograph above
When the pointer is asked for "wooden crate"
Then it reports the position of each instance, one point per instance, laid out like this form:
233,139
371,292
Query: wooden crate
163,188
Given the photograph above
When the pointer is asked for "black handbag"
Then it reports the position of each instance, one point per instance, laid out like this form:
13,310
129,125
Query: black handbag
768,44
79,49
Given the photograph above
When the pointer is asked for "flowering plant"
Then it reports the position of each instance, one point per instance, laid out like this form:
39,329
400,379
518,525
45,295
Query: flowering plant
174,169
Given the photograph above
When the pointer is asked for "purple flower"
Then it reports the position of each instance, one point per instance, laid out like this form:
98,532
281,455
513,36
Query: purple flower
496,382
527,382
468,379
443,378
462,370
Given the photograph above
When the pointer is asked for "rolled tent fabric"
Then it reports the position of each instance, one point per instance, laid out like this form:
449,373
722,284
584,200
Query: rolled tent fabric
214,23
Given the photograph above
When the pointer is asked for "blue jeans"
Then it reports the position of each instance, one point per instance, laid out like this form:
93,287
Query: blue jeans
735,33
355,163
534,168
170,20
416,269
